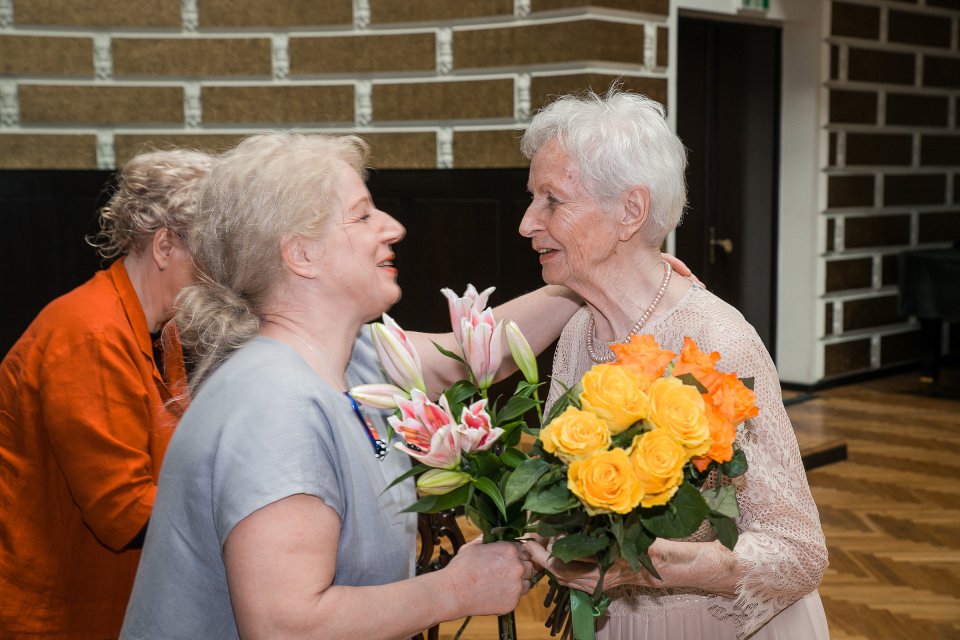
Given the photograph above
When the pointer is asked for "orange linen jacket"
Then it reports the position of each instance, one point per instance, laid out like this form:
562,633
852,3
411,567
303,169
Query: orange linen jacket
84,423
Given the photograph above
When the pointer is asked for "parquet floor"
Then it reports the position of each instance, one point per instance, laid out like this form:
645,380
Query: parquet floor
891,513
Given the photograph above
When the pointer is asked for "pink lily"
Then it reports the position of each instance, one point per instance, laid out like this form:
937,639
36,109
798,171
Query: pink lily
482,346
398,356
378,396
476,433
428,430
463,307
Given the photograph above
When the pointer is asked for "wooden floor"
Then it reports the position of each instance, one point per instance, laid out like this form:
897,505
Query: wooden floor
891,513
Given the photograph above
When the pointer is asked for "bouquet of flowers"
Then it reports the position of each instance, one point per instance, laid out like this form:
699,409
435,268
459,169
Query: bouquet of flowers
465,445
620,460
624,455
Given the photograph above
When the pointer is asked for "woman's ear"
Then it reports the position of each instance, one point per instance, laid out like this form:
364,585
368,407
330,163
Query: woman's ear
299,255
162,246
636,212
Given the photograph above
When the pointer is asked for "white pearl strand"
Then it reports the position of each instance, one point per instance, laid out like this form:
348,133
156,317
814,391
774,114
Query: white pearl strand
601,358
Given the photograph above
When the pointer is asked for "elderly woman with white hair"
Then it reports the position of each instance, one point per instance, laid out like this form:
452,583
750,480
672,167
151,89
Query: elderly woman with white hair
607,181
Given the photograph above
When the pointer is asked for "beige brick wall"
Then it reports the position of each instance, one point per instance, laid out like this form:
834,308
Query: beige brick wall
431,83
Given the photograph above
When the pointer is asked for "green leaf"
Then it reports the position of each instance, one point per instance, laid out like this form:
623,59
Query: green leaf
648,565
688,378
459,392
737,466
722,501
436,504
477,518
516,407
484,506
485,463
569,397
635,544
526,389
489,487
625,438
681,516
747,382
726,530
553,498
513,458
415,470
555,525
579,545
449,354
523,478
581,615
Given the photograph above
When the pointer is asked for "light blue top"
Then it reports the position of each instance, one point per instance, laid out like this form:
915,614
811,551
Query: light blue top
264,427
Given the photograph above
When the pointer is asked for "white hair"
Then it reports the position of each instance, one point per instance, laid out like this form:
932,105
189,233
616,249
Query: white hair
619,141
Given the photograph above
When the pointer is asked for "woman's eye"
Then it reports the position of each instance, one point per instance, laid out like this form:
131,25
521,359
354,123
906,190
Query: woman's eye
552,202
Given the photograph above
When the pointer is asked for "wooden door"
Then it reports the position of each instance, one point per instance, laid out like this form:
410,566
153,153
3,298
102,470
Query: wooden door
728,116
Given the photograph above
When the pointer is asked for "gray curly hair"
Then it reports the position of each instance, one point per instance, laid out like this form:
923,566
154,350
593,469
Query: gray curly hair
154,190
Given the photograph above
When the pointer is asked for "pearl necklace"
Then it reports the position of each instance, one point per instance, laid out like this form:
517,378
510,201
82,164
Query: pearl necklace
601,358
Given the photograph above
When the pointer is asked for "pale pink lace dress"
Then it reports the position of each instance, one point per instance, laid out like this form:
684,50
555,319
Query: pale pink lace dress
781,546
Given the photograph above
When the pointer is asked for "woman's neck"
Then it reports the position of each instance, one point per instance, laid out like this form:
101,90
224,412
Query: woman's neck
622,291
144,277
324,342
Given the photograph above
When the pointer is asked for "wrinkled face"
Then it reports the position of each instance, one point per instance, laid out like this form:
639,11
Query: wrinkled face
567,227
359,253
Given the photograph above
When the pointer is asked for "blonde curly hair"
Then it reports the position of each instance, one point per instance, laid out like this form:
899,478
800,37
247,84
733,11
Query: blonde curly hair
154,190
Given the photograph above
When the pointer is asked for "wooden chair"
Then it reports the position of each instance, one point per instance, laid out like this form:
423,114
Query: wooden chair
432,529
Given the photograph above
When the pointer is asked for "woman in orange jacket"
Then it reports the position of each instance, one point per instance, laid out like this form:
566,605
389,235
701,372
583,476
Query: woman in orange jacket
89,397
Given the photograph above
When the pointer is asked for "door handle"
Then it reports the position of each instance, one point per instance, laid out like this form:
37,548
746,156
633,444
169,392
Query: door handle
726,244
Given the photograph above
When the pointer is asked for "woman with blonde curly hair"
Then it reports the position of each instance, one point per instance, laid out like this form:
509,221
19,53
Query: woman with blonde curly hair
87,406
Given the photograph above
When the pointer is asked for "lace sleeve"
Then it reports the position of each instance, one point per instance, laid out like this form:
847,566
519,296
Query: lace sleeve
781,549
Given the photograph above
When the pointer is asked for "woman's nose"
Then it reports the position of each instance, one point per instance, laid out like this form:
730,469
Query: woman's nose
530,222
395,230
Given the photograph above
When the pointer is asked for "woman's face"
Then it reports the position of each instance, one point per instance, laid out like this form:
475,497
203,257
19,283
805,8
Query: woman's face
567,226
359,253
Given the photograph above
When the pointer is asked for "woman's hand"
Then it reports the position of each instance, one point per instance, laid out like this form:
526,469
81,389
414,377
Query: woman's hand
708,566
681,268
489,579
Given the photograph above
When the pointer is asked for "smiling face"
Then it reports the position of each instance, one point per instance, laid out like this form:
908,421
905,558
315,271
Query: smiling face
359,255
566,225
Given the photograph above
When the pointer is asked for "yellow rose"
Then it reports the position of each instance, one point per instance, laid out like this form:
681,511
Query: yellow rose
605,482
679,409
614,393
574,434
658,459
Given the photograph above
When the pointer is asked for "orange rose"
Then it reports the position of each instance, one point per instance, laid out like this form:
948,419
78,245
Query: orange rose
697,363
732,398
644,357
722,433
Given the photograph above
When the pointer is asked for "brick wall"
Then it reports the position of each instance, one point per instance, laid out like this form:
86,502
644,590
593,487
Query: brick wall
893,170
431,83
